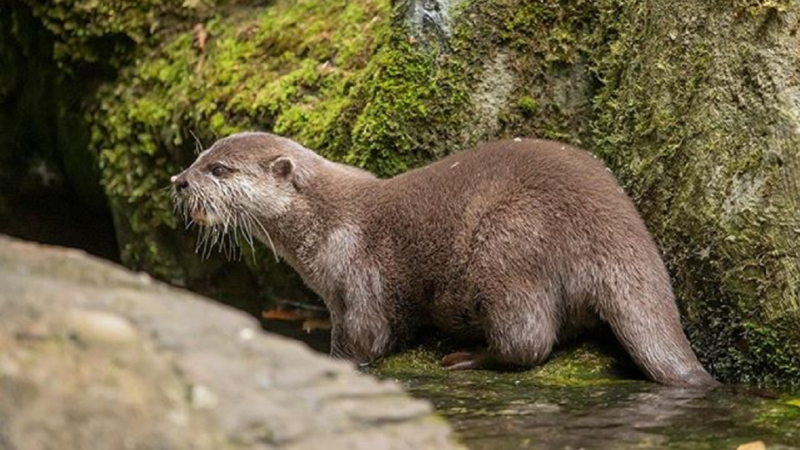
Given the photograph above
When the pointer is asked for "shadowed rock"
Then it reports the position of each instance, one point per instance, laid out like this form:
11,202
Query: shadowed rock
92,356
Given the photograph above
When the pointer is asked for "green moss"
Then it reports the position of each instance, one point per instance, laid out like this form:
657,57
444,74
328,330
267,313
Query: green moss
775,415
757,7
527,106
103,33
417,361
584,364
415,106
550,48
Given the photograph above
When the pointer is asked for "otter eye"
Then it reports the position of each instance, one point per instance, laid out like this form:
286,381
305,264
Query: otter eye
218,170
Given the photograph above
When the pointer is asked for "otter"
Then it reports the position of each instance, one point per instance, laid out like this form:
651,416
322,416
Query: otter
520,244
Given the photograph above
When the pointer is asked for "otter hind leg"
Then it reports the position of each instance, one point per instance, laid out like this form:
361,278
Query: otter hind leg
519,326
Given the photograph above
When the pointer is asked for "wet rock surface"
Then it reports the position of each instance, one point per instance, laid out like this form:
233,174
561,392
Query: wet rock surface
93,356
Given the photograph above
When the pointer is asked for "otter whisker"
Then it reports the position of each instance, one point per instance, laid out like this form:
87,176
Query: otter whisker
248,236
237,247
213,241
269,238
229,245
244,227
202,240
221,233
228,223
210,236
199,242
198,146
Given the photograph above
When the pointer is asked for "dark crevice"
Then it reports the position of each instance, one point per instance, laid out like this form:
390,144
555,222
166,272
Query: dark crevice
59,219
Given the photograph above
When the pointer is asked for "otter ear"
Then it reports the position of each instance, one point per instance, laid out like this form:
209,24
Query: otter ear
282,167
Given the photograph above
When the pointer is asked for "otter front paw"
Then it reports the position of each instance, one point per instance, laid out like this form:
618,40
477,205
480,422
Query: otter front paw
341,349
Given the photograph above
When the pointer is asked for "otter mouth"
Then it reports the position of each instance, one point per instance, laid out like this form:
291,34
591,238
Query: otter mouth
199,216
203,216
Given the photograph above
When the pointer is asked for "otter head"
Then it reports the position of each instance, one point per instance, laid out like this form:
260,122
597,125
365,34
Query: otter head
240,183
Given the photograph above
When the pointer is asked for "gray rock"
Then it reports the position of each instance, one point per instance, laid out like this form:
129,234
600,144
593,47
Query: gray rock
93,356
431,18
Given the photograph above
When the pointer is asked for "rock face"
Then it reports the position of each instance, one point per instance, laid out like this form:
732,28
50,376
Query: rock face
93,356
700,117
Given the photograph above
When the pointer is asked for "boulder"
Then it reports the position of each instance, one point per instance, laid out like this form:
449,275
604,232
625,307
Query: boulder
94,356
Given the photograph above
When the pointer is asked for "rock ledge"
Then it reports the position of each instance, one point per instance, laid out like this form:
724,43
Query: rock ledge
93,356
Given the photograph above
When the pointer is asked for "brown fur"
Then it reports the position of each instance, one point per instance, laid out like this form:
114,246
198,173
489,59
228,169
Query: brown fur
518,243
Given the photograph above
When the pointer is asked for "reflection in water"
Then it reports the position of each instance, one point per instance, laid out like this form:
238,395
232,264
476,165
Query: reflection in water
612,421
623,415
503,411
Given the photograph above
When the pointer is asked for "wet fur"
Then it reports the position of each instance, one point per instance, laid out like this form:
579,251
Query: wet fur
520,244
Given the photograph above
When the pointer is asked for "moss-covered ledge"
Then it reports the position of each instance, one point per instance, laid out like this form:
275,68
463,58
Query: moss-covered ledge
583,364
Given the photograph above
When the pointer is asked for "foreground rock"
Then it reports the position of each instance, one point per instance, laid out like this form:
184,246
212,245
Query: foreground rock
92,356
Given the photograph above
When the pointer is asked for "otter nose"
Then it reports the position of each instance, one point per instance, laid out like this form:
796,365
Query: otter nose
180,182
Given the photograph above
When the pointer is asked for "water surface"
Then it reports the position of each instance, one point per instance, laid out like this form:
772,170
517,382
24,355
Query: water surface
497,412
568,409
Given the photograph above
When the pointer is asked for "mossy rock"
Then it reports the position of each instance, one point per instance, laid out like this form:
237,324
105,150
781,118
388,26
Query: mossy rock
698,116
693,106
586,363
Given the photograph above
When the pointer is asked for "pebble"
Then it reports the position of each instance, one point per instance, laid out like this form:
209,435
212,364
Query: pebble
201,397
247,334
99,326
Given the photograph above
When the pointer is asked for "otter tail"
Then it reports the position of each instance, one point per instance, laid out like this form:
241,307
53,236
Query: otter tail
647,323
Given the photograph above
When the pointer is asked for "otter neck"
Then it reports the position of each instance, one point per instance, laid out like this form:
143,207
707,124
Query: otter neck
333,200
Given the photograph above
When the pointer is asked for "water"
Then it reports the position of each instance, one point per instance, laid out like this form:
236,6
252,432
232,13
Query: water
496,413
554,409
